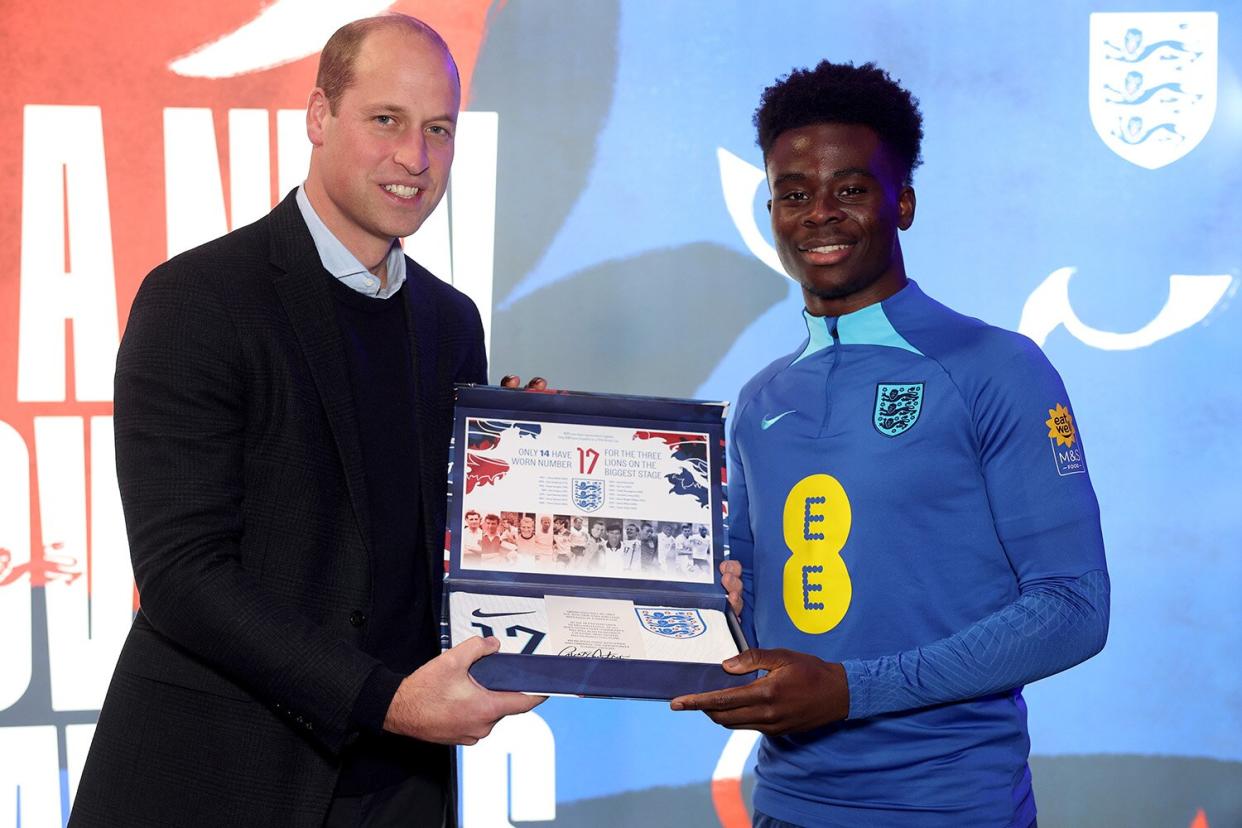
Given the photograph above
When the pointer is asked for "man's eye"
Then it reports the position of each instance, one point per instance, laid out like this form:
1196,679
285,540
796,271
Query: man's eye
383,120
853,190
436,129
796,195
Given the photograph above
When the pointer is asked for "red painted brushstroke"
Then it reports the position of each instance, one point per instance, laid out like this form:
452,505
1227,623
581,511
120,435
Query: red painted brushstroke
729,804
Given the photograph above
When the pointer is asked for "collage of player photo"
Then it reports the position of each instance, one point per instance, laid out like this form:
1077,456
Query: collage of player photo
590,545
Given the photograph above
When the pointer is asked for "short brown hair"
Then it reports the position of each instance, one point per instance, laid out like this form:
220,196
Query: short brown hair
336,61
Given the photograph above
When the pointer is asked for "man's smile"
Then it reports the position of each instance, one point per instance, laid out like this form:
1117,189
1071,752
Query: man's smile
826,252
401,190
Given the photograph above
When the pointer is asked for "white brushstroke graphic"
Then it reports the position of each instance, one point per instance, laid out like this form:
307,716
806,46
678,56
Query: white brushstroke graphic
285,31
1191,299
740,180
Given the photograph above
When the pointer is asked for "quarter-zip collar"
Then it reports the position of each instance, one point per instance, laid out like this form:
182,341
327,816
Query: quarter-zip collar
865,326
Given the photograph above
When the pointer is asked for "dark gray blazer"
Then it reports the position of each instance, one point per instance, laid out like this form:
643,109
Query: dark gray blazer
241,478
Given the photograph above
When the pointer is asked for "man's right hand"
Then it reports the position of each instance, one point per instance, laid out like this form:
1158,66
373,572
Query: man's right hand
441,702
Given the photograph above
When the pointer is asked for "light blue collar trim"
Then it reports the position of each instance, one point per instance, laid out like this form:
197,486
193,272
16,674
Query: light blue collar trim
344,265
867,326
819,334
870,326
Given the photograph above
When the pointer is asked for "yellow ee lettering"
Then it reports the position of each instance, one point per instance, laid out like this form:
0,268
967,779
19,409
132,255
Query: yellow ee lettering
809,518
808,588
816,583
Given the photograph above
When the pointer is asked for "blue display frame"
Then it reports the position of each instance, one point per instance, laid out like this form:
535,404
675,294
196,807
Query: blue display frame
600,677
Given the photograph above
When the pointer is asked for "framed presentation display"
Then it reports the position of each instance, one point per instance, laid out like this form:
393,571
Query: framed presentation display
586,533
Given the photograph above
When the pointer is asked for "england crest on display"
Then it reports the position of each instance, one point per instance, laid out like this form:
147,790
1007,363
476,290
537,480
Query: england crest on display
1152,83
588,494
672,623
897,407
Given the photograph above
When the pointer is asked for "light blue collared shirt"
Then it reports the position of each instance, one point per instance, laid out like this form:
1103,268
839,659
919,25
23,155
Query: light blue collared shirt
344,265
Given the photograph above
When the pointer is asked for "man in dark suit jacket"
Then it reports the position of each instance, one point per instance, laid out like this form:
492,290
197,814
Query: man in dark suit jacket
282,439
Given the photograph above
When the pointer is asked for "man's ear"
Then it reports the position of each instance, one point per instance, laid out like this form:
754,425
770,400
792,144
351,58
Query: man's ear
905,208
769,205
317,113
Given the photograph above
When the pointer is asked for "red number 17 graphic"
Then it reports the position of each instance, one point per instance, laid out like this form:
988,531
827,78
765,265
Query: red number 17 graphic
587,458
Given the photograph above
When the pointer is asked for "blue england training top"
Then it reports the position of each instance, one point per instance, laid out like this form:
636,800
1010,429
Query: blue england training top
909,496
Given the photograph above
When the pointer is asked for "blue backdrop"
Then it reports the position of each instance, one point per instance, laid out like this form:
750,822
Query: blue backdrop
1017,185
607,215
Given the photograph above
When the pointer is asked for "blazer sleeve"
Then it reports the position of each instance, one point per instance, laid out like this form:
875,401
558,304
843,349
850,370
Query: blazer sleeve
474,368
180,427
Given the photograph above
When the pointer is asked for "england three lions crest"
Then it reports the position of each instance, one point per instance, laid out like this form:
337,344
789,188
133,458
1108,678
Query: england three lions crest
588,494
1152,83
672,623
897,407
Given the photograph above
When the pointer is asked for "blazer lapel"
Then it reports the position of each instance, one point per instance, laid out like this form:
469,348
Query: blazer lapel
423,327
303,287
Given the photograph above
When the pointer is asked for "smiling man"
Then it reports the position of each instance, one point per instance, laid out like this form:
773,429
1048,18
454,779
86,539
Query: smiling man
284,400
909,498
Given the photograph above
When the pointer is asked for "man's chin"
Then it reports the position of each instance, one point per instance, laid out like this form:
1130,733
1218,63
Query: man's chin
832,292
404,223
401,230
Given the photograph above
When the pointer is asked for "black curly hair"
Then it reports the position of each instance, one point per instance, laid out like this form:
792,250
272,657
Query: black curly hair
842,93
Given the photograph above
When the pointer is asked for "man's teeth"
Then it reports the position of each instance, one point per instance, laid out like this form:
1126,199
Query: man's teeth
829,248
401,191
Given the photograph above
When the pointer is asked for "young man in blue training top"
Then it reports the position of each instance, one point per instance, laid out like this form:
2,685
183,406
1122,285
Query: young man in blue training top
910,503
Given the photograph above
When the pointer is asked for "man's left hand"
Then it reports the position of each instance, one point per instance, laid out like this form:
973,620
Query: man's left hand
731,580
800,692
514,381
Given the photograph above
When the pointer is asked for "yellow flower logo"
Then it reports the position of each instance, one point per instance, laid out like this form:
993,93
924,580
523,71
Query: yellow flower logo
1061,425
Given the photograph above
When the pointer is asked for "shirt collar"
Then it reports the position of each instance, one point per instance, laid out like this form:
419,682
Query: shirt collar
865,326
343,265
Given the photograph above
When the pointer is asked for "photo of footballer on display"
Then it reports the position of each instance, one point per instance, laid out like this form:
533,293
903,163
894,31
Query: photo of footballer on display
593,545
578,499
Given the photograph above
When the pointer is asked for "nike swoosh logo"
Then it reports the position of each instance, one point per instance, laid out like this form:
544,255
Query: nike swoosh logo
481,614
768,422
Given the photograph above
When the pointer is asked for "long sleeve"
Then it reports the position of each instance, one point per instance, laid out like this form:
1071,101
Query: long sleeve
1047,519
1055,624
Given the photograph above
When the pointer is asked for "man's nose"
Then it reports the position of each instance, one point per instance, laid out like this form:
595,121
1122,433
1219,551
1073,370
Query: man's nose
825,209
412,154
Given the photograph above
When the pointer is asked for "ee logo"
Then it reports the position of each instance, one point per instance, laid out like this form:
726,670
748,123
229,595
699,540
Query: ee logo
816,584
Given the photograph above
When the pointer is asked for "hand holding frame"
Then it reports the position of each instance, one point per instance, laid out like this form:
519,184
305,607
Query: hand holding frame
800,692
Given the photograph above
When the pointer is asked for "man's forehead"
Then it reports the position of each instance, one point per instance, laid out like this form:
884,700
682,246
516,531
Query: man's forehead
826,139
394,49
401,41
832,150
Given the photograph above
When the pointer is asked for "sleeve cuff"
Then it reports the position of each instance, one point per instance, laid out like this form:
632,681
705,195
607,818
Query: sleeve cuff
371,706
856,683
